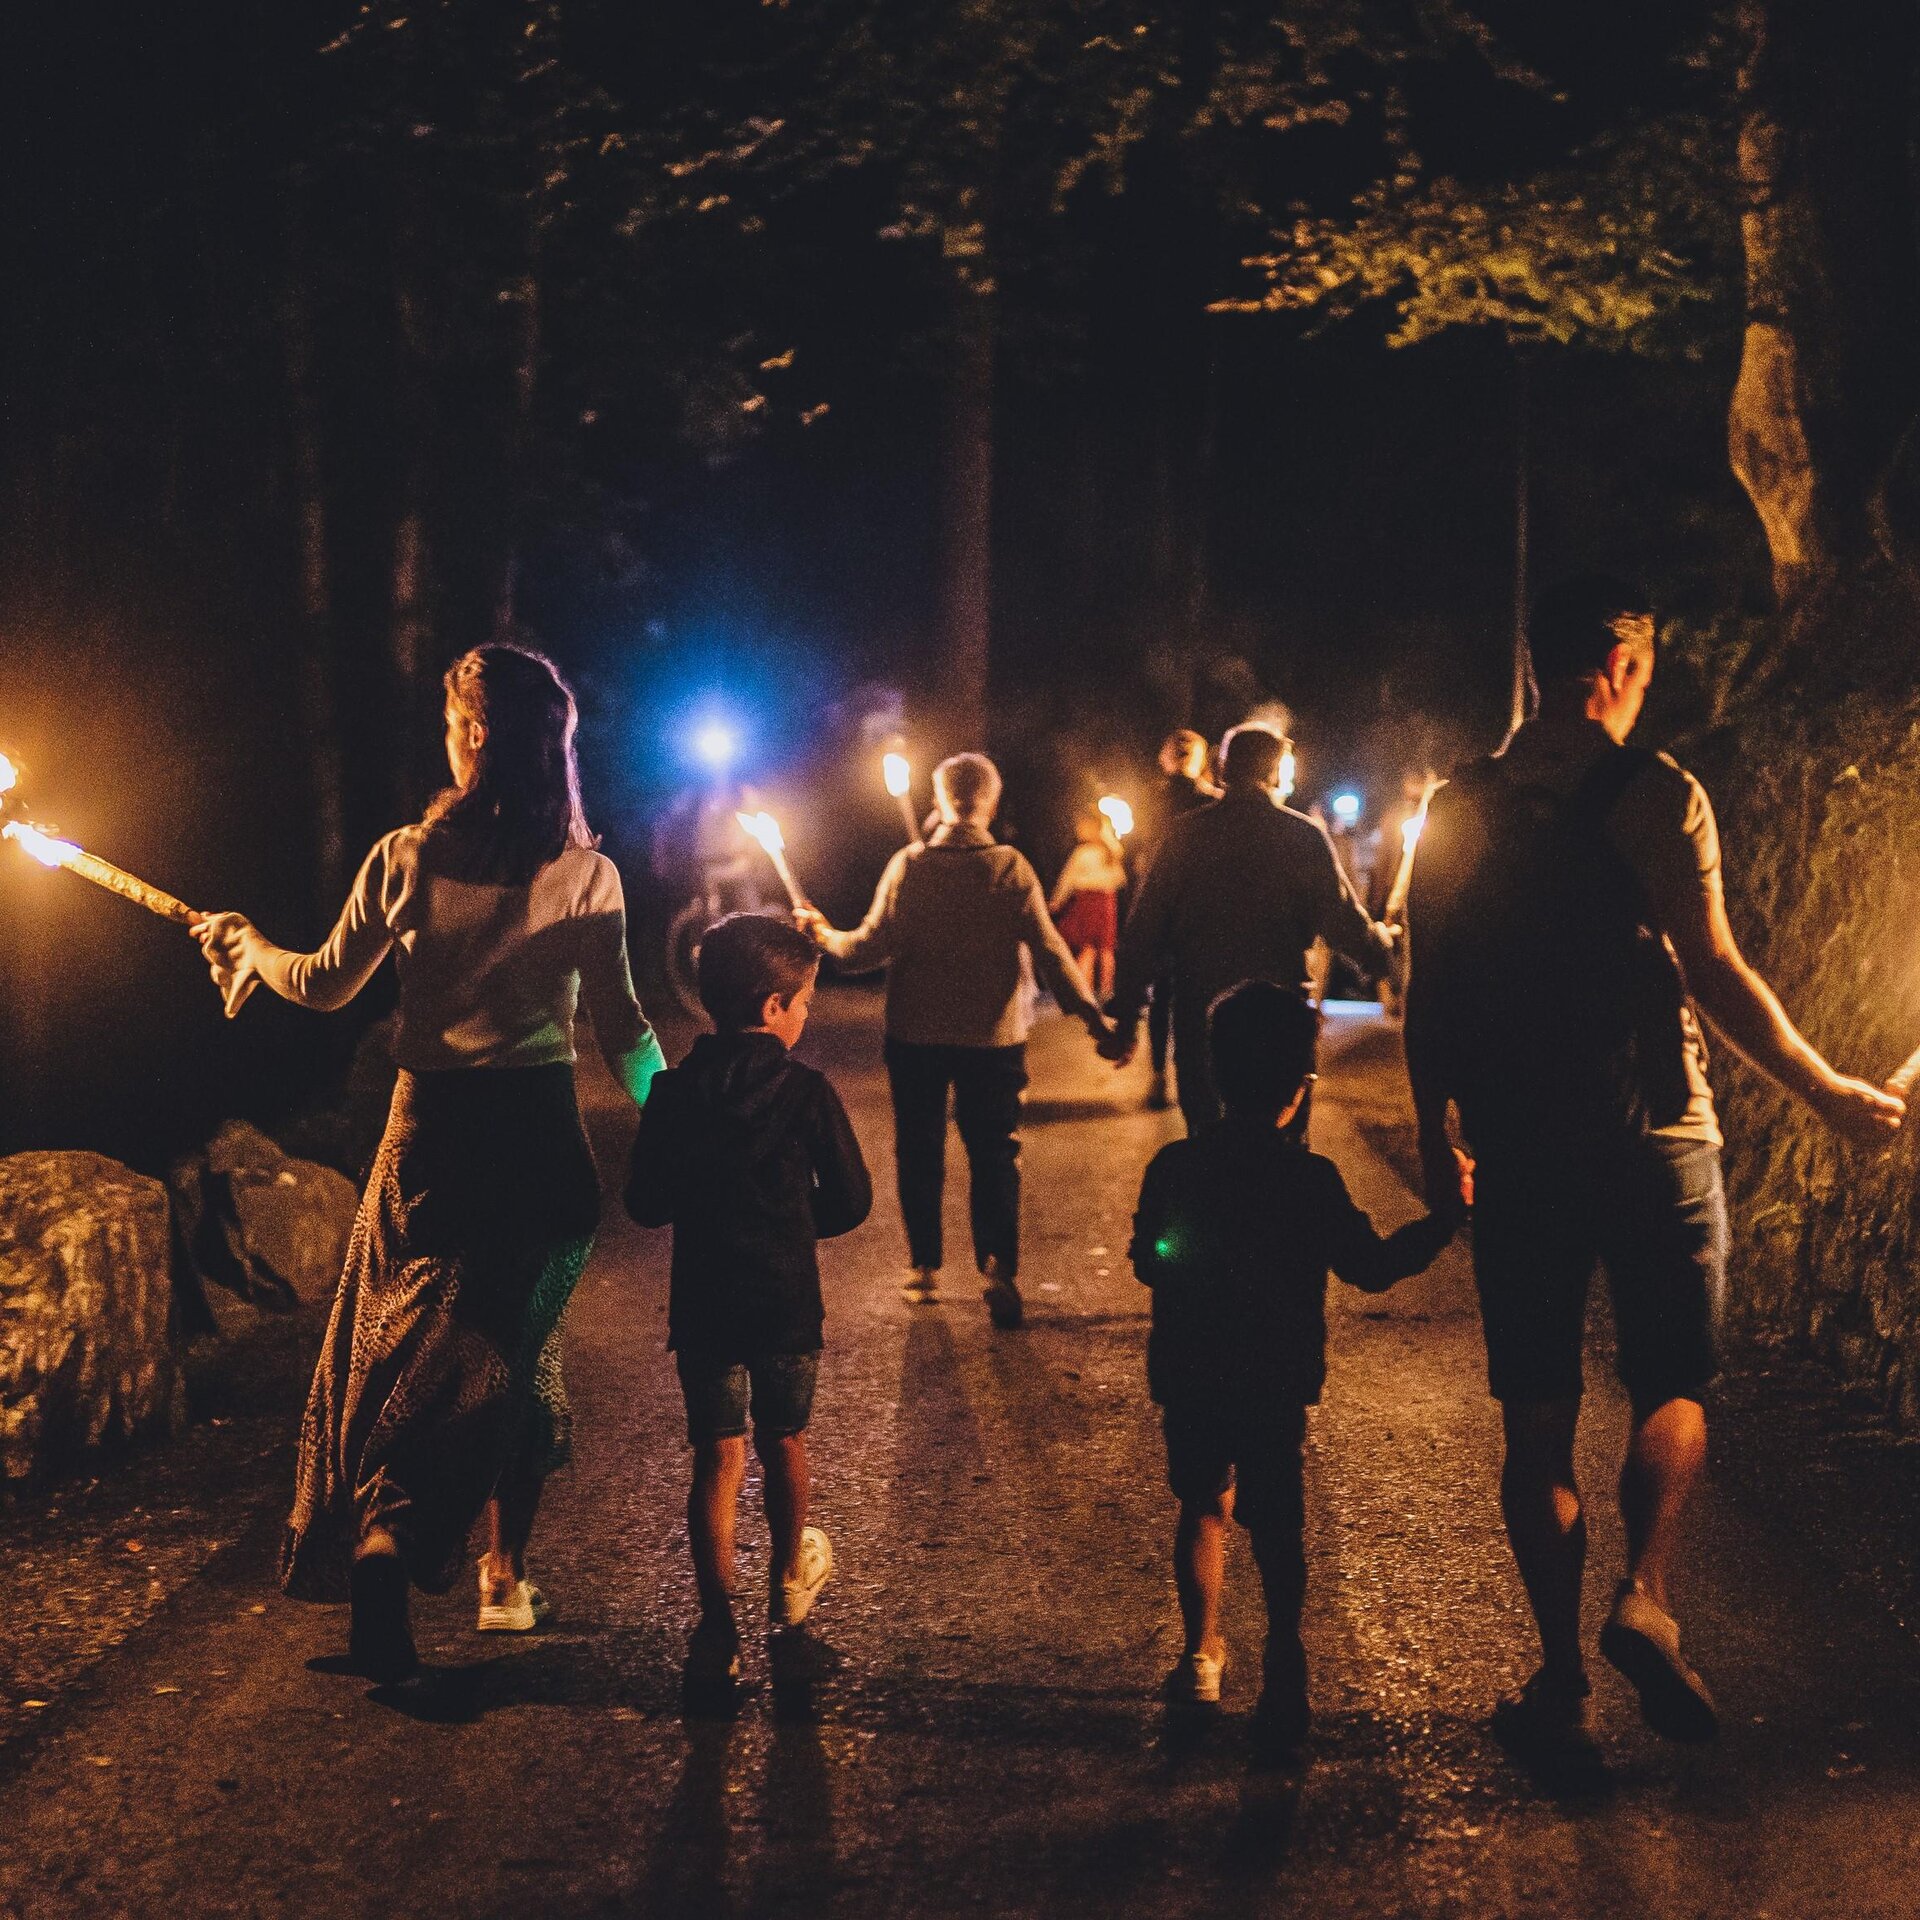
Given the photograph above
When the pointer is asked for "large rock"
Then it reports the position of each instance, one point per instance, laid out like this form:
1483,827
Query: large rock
86,1298
259,1226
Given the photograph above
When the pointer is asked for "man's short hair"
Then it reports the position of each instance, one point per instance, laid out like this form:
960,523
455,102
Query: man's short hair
970,784
1261,1038
1250,756
1572,628
746,957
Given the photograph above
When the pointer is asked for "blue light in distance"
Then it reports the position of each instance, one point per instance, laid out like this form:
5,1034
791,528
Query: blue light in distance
714,743
1346,808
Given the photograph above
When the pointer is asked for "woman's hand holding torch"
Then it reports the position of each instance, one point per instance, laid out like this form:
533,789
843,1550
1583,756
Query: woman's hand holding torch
232,945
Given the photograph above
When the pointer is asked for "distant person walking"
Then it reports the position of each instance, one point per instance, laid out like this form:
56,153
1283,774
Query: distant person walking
1566,900
958,924
1086,899
438,1392
1238,891
1185,787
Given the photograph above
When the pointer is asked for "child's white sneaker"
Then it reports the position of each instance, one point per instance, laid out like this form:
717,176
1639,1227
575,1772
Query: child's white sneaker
1195,1680
792,1600
520,1612
921,1288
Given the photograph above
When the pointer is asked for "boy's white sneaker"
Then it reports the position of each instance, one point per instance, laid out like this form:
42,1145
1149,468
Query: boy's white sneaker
792,1600
1195,1680
921,1288
520,1612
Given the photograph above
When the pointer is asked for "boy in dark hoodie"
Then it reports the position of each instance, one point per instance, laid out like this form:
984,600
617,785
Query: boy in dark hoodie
749,1157
1237,1228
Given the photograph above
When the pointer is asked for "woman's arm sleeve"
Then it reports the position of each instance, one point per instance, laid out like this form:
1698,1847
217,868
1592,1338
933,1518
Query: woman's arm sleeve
628,1044
1057,965
331,975
870,944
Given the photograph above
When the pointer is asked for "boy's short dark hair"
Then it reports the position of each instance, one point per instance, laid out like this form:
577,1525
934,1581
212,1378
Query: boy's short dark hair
1570,630
747,956
1261,1038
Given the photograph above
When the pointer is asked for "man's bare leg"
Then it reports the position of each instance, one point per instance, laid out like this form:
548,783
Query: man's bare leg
1665,1455
1540,1499
786,1486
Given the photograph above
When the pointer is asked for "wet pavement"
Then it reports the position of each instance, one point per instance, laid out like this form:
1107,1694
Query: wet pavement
971,1722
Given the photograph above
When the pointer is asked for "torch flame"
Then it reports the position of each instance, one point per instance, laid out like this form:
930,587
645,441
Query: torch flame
9,775
1410,830
1118,814
764,829
899,775
42,846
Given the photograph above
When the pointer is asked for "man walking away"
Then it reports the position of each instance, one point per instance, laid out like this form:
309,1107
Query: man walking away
1239,891
954,922
1184,789
1566,901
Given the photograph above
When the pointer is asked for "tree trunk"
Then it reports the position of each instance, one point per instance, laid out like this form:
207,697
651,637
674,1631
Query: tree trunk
319,701
1822,425
526,386
965,559
410,635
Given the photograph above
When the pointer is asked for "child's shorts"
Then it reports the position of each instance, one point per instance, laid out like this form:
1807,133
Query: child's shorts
778,1386
1256,1451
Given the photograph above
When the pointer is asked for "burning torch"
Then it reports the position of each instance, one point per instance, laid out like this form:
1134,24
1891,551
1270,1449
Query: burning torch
899,777
40,845
1117,814
764,830
1410,831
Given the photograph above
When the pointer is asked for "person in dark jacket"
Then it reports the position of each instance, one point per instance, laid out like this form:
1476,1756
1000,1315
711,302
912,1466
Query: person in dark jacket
1236,1230
1185,787
750,1158
1238,891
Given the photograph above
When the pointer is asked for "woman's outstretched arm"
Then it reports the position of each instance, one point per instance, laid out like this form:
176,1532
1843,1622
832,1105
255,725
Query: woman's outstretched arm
242,957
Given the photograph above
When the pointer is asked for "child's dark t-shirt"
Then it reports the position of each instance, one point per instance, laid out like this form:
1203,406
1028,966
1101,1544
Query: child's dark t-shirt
1236,1231
750,1158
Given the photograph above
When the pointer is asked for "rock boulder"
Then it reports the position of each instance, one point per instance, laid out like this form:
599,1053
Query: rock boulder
87,1355
259,1226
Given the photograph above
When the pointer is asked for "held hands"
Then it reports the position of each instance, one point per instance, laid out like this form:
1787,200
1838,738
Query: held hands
231,943
1115,1040
1448,1172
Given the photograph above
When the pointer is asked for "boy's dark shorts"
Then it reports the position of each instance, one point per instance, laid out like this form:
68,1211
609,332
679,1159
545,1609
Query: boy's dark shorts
718,1393
1654,1214
1256,1451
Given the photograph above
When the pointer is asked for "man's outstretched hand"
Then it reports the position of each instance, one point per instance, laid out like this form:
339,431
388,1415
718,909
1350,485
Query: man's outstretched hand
1859,1111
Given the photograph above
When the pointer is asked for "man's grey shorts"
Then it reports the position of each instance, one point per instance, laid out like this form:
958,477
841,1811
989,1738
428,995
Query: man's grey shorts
1653,1213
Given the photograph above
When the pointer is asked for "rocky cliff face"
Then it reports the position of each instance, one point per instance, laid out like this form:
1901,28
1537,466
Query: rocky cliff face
87,1356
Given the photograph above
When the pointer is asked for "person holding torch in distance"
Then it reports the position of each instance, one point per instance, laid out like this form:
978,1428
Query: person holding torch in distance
1565,915
954,922
438,1391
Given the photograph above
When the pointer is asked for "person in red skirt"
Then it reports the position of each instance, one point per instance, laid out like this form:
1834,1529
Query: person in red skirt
1086,899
